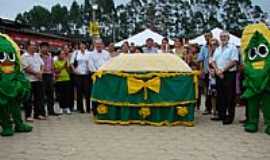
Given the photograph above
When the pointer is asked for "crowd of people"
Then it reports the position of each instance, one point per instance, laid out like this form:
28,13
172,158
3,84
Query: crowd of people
68,74
60,75
221,63
220,66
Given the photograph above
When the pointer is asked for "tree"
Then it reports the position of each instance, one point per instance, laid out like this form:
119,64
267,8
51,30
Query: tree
123,22
150,15
172,18
107,6
60,18
86,12
21,19
234,18
75,17
257,12
39,17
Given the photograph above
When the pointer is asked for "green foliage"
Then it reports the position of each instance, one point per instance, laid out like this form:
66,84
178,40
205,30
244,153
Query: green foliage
106,5
172,18
39,17
75,15
59,18
21,19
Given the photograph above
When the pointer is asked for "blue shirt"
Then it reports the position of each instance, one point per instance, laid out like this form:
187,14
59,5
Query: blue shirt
150,50
226,54
204,57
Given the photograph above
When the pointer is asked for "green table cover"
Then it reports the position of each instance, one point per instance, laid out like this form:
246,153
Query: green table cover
173,105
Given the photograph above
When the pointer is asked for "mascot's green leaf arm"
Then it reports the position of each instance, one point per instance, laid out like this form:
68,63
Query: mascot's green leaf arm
14,88
255,46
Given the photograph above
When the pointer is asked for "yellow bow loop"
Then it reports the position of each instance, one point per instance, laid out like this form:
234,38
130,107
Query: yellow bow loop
135,85
96,75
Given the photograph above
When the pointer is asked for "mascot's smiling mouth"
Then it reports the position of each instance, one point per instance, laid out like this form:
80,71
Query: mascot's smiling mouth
258,65
7,67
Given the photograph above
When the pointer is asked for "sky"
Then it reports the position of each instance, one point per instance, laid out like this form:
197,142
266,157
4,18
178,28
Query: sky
10,8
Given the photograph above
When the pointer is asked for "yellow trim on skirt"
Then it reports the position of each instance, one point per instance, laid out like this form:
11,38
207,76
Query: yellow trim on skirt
160,104
144,122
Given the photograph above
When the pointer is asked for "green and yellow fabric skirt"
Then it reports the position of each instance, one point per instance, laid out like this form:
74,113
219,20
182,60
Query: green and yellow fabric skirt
154,98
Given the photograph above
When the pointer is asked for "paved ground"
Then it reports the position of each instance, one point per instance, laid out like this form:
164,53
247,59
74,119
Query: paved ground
76,137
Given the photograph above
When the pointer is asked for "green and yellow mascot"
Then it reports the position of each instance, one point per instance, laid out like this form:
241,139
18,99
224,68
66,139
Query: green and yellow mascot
14,88
255,46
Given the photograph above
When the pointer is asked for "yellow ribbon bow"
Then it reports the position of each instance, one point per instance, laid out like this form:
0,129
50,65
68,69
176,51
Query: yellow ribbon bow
135,85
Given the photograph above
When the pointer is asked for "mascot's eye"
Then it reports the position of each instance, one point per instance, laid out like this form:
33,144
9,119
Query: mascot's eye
12,57
252,54
263,50
2,57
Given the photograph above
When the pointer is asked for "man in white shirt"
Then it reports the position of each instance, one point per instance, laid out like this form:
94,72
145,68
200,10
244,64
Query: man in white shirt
225,63
98,57
32,65
79,64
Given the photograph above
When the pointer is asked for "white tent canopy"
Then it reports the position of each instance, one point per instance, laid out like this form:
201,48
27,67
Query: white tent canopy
216,32
140,38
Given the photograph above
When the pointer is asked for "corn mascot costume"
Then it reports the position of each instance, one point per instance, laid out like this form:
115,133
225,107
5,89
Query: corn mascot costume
255,46
14,88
